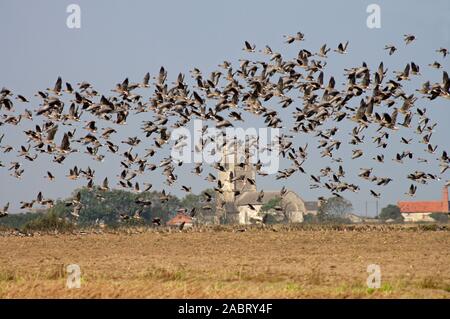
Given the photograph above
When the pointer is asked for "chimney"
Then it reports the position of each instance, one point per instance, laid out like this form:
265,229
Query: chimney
445,199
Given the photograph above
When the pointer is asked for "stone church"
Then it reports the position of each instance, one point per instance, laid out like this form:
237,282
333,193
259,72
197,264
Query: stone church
238,181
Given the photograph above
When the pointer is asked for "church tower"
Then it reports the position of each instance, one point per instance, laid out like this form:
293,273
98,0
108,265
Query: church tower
238,177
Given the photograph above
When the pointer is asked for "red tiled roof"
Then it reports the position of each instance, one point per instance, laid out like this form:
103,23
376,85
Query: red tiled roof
179,219
441,206
423,207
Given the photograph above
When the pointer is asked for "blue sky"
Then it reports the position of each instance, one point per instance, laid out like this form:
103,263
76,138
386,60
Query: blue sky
121,39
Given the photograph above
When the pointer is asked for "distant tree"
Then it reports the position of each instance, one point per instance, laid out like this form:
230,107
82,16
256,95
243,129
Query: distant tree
97,205
391,212
440,217
18,220
269,211
311,219
49,222
199,201
271,204
335,210
107,206
190,201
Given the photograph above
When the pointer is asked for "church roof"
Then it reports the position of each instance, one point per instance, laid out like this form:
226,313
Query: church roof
251,198
312,205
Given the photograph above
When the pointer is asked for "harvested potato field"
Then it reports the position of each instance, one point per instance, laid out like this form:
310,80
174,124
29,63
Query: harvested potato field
225,263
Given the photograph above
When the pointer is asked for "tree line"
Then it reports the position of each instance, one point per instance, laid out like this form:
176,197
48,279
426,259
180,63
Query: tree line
106,207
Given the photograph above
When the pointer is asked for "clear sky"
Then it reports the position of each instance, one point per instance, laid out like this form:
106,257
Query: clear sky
119,39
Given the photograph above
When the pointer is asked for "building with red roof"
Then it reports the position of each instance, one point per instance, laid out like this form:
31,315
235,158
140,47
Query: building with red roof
180,218
421,210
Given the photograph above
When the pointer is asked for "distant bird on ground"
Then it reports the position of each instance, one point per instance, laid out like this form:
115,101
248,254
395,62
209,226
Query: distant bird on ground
156,221
76,211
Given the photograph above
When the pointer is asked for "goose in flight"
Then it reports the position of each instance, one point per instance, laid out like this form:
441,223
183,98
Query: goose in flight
391,49
4,211
342,48
297,37
323,51
443,51
57,88
248,47
262,88
408,38
412,190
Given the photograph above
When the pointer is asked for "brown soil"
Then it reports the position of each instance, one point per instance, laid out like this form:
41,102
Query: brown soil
313,263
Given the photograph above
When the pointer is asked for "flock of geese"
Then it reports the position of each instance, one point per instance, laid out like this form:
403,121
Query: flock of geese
87,119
